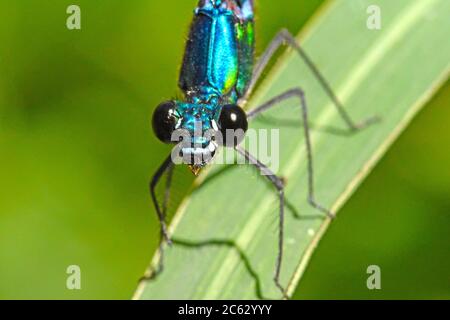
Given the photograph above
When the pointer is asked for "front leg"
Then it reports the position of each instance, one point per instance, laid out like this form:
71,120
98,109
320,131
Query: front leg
279,185
166,165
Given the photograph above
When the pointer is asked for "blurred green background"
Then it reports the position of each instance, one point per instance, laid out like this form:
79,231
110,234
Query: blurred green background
77,151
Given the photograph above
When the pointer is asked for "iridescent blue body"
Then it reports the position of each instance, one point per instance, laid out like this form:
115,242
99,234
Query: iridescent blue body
217,65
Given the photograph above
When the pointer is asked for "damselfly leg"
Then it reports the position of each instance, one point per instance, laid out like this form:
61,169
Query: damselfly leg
166,167
284,37
278,183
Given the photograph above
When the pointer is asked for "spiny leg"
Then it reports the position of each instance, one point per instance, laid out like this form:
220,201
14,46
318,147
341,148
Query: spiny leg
284,37
297,92
167,165
164,213
278,184
167,190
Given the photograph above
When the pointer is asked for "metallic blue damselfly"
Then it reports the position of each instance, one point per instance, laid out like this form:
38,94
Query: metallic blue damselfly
217,77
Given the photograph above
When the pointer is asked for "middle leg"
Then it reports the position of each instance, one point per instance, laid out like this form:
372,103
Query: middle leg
298,93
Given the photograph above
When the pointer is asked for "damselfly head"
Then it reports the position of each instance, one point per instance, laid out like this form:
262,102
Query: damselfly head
198,129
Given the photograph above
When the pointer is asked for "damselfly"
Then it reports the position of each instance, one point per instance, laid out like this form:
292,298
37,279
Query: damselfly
217,77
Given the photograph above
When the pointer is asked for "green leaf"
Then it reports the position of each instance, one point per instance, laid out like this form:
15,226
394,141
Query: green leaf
226,230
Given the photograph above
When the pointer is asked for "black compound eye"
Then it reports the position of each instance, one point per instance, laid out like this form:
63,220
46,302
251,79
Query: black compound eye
164,121
233,124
